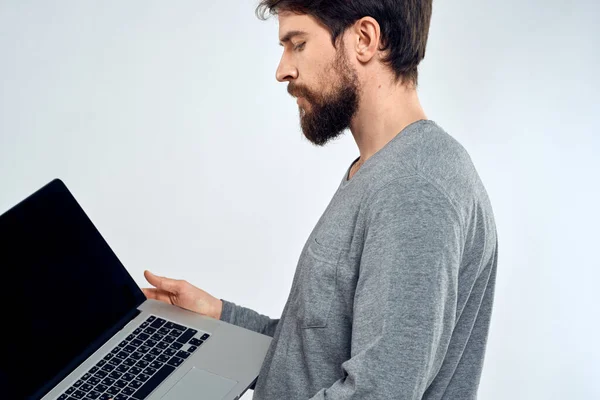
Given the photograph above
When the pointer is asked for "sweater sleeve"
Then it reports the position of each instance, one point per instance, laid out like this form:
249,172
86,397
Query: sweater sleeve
405,300
247,318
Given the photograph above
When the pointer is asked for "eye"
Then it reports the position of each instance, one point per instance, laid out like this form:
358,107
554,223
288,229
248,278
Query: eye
300,46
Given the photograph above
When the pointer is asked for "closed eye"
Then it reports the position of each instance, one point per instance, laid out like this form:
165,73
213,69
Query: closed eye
299,46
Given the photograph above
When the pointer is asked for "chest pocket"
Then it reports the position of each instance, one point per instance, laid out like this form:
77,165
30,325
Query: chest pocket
318,284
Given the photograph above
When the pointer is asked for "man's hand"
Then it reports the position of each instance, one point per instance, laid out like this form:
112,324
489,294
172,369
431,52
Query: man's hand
183,294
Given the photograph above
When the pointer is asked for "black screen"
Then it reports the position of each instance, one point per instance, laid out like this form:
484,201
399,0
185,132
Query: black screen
62,289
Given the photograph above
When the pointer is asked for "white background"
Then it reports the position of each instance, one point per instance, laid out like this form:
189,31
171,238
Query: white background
166,122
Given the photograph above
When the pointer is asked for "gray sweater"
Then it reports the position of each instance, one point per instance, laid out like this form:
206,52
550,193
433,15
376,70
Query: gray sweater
393,291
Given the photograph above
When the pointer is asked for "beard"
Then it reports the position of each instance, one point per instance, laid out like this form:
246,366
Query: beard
329,114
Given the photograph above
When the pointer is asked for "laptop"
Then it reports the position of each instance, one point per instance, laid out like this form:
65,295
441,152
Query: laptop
76,326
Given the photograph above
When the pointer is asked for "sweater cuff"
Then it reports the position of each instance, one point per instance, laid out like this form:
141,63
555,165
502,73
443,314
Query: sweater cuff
227,311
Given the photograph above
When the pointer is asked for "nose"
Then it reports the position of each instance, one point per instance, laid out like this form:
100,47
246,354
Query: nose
286,71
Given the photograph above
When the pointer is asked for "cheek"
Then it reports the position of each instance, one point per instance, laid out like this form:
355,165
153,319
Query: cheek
329,85
316,72
318,77
322,83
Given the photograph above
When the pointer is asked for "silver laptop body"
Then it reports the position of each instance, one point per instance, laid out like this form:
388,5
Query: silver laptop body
86,331
223,367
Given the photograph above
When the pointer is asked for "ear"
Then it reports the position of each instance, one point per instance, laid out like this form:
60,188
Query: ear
366,34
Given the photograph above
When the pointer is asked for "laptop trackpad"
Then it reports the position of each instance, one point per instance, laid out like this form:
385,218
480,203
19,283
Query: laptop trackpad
200,384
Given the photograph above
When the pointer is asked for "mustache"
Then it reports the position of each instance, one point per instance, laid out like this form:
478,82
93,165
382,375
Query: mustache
297,91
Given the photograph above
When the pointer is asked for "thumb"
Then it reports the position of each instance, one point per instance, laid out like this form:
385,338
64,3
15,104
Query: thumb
160,282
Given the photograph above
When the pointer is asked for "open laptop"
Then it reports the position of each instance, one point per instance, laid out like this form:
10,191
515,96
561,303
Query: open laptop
76,326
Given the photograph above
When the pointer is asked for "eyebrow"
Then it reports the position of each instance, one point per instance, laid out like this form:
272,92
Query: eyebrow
288,36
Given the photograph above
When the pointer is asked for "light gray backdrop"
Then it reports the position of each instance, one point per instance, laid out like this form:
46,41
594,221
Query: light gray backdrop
165,120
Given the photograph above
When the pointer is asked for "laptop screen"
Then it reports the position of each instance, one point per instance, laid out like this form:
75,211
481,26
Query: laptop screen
62,289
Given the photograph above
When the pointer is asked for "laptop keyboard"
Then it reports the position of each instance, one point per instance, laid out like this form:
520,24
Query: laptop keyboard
135,367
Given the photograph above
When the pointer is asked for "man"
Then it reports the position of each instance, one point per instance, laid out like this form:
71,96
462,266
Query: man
393,291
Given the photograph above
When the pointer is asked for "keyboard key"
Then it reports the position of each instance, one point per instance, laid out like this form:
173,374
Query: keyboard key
78,394
108,356
142,364
93,370
108,367
195,342
205,336
86,387
86,376
165,357
157,336
122,368
70,390
150,318
101,387
169,339
148,357
62,397
136,355
104,396
164,330
153,382
150,331
144,349
124,343
94,380
176,345
115,361
136,342
120,383
123,355
78,383
183,354
130,337
115,375
143,336
135,370
192,349
129,362
175,333
101,374
155,351
128,391
143,325
113,390
137,331
100,363
128,377
170,351
162,345
121,396
150,342
173,325
135,384
187,335
142,377
156,364
93,395
116,350
149,371
108,381
175,361
158,323
129,348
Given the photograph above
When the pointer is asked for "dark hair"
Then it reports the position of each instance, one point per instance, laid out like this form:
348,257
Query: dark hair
404,25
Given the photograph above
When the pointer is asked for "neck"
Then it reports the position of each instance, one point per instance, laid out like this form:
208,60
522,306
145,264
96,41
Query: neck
383,112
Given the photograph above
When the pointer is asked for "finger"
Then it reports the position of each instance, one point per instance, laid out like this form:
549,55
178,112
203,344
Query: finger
170,285
157,294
